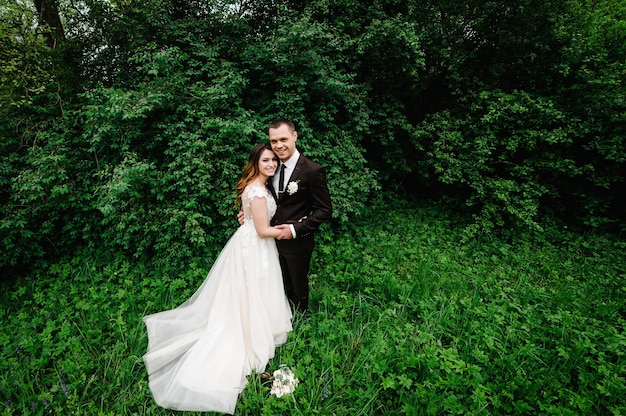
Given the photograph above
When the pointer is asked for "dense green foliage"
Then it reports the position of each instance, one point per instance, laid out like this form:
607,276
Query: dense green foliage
122,137
132,130
404,320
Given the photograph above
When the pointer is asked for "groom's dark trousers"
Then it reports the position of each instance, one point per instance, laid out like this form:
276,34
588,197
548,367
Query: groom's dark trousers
295,258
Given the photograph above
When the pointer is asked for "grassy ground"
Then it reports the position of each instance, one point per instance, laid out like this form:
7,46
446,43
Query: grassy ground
405,319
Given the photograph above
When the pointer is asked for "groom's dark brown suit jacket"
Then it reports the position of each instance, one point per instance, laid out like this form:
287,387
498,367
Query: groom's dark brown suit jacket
309,206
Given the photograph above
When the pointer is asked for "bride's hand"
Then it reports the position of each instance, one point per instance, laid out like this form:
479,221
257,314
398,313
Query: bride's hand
240,217
285,232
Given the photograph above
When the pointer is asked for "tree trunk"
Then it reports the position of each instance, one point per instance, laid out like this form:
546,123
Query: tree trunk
50,20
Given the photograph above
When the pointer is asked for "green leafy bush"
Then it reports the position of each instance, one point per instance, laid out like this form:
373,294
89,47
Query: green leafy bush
148,164
132,131
500,155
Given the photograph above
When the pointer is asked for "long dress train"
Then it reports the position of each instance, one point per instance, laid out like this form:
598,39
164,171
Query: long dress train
200,353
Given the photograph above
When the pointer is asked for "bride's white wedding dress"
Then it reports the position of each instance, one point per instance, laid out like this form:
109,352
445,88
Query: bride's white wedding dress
200,353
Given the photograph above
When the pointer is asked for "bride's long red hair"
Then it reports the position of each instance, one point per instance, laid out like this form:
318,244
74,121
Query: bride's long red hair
251,170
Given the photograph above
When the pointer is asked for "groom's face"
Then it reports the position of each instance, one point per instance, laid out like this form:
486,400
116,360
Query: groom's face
283,141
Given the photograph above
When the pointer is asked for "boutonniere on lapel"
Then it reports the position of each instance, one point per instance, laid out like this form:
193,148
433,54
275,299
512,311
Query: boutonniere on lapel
292,187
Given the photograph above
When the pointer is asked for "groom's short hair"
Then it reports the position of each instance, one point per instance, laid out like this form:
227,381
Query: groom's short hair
276,123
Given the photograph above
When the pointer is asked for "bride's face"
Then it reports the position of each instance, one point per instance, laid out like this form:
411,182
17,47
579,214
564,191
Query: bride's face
267,163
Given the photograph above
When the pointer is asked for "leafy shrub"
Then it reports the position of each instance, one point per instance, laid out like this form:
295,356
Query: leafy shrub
148,165
132,133
500,155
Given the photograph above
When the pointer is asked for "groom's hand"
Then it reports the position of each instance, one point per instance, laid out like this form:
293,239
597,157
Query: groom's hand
285,232
240,217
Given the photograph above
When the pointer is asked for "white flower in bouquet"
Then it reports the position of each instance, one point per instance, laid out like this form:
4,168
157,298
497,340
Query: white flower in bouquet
284,382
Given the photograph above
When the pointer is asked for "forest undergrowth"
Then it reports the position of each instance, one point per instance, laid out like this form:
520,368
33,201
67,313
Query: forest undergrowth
406,317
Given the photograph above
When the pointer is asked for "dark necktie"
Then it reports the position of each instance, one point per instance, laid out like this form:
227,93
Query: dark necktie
281,179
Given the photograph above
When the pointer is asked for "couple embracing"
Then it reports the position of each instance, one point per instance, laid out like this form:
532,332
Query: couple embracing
200,353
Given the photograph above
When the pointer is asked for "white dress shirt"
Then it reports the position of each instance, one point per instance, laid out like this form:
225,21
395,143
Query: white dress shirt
290,165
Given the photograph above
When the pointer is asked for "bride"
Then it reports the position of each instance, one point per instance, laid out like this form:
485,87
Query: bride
200,353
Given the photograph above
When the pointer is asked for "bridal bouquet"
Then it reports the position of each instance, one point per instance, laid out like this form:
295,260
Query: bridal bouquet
284,382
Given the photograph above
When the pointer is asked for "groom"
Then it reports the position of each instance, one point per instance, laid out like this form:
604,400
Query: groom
303,204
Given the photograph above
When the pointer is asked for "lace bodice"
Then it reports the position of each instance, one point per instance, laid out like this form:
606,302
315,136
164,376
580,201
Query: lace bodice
255,191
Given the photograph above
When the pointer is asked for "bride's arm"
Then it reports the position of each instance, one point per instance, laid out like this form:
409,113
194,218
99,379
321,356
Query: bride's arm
259,216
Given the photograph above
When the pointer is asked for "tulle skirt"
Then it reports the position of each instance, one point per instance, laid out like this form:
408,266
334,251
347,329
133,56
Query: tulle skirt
200,353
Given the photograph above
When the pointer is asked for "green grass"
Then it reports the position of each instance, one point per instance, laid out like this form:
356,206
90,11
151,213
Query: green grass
405,318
